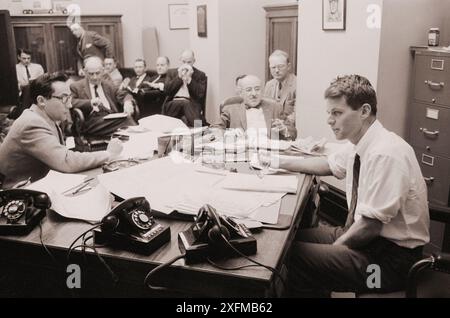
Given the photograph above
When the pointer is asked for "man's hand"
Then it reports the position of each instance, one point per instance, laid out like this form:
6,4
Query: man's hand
185,72
96,103
279,127
128,107
267,159
115,147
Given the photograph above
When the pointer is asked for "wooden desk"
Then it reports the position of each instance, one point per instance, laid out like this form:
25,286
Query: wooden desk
26,257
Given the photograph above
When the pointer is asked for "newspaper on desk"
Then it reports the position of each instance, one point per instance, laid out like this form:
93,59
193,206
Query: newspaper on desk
171,185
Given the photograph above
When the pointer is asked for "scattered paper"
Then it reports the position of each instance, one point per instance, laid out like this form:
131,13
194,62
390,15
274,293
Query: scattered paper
115,116
92,205
162,124
57,182
251,182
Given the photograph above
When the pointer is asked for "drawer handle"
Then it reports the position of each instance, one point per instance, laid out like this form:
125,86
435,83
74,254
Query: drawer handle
428,180
434,85
429,133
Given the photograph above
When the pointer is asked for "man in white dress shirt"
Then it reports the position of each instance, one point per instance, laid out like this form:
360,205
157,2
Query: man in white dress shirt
388,219
26,71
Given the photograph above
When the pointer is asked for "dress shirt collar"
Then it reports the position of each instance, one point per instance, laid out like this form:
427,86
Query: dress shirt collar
371,134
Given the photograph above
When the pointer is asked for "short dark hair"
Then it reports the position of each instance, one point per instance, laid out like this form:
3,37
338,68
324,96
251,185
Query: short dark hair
356,89
22,50
239,78
141,60
42,86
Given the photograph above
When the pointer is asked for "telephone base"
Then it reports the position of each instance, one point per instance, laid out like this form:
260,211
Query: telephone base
133,243
22,228
198,251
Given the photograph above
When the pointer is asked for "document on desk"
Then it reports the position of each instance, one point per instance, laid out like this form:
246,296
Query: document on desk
92,205
141,145
171,185
162,124
57,181
269,183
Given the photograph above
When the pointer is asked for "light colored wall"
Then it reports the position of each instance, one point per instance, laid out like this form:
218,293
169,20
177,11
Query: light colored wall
235,45
398,33
207,51
171,42
325,54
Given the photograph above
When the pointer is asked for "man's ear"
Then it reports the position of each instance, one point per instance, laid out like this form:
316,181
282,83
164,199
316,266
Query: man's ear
40,100
366,110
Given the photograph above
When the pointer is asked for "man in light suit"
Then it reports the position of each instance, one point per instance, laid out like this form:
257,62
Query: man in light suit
255,112
90,43
186,91
97,98
111,71
283,86
26,71
35,143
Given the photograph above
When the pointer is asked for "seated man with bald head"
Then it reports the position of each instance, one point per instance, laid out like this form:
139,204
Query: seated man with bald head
96,98
186,91
255,112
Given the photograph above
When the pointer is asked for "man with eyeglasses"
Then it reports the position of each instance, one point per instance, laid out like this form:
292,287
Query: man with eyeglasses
254,112
35,143
283,86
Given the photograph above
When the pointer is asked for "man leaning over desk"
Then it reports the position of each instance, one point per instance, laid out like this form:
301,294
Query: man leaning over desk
35,143
388,220
255,112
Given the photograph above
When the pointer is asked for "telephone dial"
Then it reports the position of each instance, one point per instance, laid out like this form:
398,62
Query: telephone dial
131,226
211,235
21,210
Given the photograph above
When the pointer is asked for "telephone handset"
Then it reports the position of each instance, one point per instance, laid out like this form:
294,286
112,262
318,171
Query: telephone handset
212,234
21,210
131,225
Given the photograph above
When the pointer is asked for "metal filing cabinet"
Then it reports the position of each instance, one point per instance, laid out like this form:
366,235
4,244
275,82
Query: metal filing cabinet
430,120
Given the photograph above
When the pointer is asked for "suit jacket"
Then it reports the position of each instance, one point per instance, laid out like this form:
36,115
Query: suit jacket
142,89
235,116
115,77
287,94
93,44
32,147
81,96
197,87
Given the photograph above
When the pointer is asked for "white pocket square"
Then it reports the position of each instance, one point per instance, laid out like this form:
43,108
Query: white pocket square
88,45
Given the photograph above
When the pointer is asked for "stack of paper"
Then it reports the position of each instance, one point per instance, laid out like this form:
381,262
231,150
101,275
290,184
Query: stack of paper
162,124
251,182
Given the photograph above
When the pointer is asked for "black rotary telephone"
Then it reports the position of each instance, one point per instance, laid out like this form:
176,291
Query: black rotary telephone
131,226
21,210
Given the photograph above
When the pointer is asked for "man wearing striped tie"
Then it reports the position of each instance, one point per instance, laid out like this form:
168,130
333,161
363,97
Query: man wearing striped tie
35,143
388,221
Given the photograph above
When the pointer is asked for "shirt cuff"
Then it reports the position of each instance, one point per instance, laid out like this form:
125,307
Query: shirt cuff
372,213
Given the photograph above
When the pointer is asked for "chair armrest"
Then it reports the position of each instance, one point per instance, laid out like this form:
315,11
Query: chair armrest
441,262
439,213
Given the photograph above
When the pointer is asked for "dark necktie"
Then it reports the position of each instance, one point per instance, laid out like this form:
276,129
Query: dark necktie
278,95
28,72
95,91
351,211
60,135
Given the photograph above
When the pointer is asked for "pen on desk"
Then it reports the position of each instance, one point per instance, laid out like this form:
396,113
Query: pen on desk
79,186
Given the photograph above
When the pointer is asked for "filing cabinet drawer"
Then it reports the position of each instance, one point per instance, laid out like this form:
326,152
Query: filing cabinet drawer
432,79
436,171
430,128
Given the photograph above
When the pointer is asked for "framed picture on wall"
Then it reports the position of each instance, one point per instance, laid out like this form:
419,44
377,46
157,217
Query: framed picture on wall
333,14
178,16
202,29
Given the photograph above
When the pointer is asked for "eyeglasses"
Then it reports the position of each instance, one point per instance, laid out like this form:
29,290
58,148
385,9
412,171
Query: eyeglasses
278,67
64,98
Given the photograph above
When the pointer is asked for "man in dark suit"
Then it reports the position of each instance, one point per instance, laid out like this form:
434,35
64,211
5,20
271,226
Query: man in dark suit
154,92
90,43
35,143
97,98
186,91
